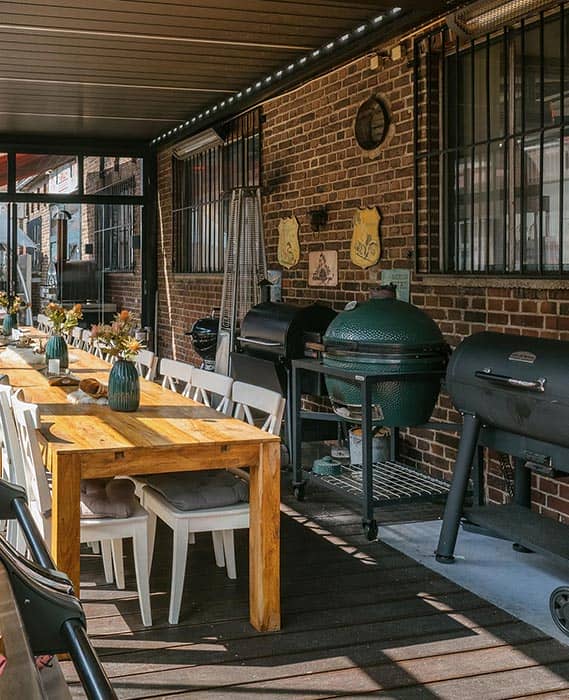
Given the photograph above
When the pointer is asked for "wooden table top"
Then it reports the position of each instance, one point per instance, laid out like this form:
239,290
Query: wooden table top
164,419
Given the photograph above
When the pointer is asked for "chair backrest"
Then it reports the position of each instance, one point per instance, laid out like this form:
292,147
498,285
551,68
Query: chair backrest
42,320
12,465
206,385
76,337
174,371
86,340
145,363
26,416
248,398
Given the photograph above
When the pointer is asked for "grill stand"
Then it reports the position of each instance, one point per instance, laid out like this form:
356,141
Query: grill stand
433,487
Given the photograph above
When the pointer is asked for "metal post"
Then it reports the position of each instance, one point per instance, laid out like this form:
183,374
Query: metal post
296,430
369,523
93,678
455,499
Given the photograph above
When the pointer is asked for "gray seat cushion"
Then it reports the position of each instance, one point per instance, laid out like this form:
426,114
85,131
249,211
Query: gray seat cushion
201,489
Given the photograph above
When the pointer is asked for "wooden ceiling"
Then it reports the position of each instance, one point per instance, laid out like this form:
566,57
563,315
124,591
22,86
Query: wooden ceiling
132,69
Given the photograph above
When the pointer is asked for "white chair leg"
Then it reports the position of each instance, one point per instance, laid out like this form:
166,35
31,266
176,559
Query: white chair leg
229,550
118,563
141,567
151,538
107,560
179,556
192,538
95,547
218,547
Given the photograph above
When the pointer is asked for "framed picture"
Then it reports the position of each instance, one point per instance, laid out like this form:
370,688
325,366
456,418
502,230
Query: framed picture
323,268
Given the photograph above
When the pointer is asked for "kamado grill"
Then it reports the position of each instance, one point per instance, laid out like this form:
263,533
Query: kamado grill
513,393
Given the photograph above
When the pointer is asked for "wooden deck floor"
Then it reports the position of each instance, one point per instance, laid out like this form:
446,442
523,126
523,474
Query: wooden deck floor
358,619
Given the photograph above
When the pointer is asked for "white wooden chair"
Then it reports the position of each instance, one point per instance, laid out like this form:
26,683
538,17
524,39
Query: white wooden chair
220,521
42,323
175,373
211,389
146,362
12,464
76,337
26,417
86,340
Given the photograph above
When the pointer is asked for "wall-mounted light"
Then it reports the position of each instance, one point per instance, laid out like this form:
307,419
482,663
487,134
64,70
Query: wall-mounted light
318,218
195,144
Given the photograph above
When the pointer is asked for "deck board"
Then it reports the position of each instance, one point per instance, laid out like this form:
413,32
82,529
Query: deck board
359,619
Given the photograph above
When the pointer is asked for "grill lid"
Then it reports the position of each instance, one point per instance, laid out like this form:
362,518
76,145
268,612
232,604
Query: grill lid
385,327
513,383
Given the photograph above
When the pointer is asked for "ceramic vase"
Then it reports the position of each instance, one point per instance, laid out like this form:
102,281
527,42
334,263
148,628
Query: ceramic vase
56,349
9,323
124,388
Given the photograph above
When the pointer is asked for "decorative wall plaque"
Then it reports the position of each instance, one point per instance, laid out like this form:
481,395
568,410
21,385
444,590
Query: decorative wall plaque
365,249
288,253
323,268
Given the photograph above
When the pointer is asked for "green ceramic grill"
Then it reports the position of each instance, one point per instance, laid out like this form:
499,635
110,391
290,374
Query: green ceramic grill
391,337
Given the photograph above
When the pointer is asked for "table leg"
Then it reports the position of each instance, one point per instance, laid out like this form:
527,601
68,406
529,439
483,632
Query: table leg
65,516
264,540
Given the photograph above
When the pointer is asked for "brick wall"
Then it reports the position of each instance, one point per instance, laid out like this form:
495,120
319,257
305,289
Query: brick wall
311,159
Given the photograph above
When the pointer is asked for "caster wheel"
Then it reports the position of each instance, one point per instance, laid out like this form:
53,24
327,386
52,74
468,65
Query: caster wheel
370,529
559,608
298,492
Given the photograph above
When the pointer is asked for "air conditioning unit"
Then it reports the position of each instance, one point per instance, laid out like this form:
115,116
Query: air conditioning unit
196,144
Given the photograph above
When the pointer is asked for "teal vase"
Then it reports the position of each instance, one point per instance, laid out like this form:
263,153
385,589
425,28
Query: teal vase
9,323
56,349
124,389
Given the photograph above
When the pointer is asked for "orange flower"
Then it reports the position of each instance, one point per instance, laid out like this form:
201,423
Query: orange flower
124,315
77,309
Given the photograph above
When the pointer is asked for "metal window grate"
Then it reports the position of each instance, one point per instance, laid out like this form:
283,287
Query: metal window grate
201,192
492,149
114,229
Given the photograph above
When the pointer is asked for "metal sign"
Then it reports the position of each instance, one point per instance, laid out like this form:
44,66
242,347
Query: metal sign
402,281
288,253
365,249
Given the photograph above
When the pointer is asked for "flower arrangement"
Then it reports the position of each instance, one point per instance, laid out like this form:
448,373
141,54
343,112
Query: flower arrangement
62,319
12,304
116,338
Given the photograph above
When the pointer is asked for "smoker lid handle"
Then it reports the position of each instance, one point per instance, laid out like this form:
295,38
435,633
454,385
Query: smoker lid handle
536,385
255,341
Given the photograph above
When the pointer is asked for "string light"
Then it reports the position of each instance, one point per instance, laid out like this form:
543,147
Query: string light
303,60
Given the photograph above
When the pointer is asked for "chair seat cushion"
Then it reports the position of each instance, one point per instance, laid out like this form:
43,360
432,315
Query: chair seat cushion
212,488
108,498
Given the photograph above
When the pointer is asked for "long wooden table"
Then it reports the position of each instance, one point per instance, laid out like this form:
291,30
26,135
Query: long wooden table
168,433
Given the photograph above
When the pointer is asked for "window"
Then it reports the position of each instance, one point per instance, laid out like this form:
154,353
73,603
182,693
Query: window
114,229
201,191
492,150
34,232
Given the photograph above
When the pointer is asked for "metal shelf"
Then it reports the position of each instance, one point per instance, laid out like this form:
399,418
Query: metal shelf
392,482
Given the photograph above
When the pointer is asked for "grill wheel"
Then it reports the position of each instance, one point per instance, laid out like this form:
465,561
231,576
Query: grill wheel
559,607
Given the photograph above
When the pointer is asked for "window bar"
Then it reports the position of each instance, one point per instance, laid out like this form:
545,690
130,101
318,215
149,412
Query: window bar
472,151
540,245
428,142
456,262
562,134
506,226
523,149
417,196
488,154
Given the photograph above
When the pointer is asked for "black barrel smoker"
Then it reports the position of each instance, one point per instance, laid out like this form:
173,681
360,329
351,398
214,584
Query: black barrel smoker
513,393
204,334
272,335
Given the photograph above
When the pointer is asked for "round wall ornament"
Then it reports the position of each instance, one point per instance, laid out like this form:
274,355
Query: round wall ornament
373,126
